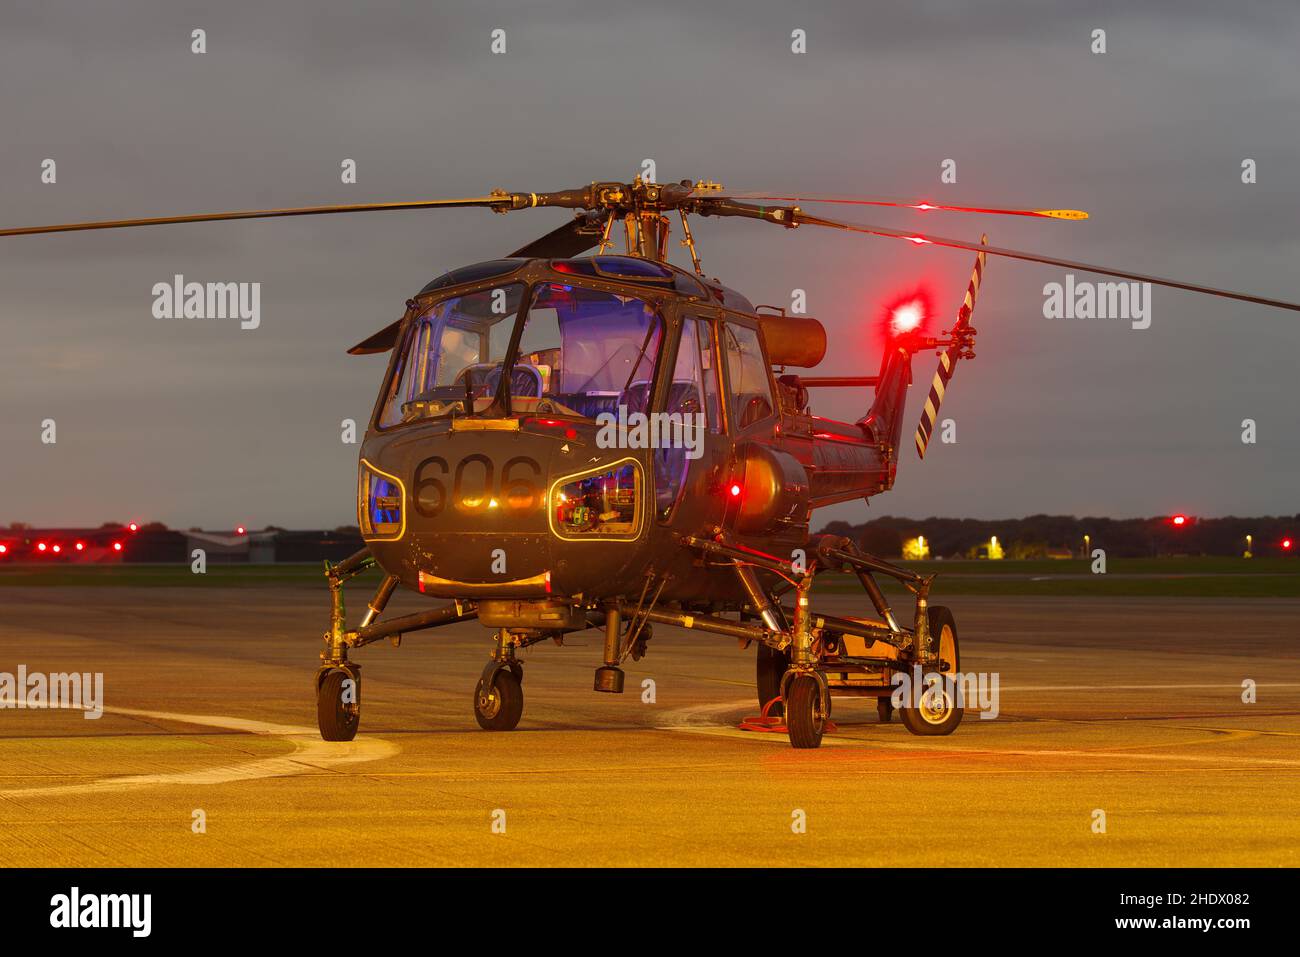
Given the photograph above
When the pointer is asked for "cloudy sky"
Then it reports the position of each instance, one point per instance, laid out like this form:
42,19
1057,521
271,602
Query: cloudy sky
208,424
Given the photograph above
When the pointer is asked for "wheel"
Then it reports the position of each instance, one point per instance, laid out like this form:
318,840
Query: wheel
938,713
499,707
805,714
338,706
884,710
772,666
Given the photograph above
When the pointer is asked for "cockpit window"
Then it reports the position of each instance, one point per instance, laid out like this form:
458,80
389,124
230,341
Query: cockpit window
587,351
747,375
581,352
453,352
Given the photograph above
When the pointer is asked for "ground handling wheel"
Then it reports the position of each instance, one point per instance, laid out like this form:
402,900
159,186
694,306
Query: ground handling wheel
500,705
934,709
338,705
805,711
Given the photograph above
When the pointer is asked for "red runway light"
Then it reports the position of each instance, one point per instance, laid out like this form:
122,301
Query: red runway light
57,549
117,546
134,527
40,546
4,549
1287,543
81,547
241,530
1179,519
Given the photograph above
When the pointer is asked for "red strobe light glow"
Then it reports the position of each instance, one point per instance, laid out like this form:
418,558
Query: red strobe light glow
907,317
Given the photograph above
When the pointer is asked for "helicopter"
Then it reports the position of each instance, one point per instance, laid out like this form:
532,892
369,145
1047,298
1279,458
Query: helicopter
506,471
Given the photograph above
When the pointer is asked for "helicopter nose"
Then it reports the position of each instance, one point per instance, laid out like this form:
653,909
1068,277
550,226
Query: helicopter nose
517,511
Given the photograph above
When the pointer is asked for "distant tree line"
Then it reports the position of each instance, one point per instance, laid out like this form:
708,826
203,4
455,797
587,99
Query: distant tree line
1043,536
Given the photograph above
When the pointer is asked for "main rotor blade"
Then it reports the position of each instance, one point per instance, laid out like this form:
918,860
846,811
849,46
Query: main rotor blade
489,201
927,240
917,204
576,236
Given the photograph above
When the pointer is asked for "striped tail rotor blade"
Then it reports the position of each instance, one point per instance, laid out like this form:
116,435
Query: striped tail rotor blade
973,287
948,358
947,363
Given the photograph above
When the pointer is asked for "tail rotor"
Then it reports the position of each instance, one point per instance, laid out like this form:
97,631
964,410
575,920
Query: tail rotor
961,345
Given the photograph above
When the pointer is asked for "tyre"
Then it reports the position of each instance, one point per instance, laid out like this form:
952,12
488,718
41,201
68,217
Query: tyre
805,714
938,713
499,707
338,706
771,668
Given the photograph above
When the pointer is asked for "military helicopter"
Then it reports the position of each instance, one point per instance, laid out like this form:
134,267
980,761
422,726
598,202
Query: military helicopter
508,470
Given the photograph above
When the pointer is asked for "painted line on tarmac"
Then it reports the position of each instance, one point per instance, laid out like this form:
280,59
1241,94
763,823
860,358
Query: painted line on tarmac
703,719
1217,685
310,753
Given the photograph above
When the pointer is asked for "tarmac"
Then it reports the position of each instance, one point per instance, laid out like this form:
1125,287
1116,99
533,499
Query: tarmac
1121,739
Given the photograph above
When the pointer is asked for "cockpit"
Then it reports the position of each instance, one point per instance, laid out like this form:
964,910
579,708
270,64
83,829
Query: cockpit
581,351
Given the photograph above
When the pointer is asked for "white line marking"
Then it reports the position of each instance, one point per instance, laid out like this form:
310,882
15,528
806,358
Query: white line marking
702,720
1235,687
310,753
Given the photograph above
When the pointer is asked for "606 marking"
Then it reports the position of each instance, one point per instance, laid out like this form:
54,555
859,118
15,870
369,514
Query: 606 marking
516,491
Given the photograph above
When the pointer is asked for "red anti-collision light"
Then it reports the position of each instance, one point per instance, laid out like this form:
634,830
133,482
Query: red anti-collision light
907,317
735,491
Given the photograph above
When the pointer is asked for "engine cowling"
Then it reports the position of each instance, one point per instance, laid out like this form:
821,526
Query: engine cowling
774,490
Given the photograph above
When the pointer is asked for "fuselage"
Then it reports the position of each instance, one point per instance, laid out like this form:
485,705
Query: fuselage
505,457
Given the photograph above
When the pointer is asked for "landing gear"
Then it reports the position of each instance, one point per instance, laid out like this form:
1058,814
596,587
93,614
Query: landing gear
936,711
338,705
499,701
499,695
805,711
